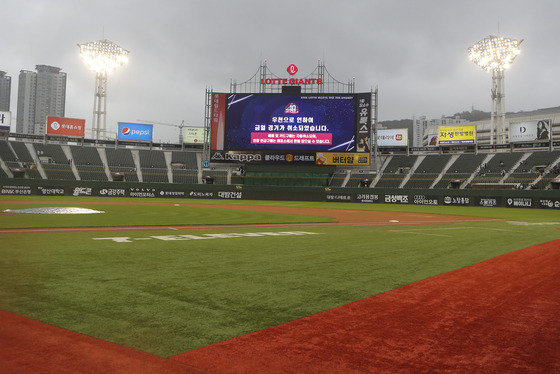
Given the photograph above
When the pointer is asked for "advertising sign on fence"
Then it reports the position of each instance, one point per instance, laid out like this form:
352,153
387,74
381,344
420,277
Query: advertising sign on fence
193,135
66,126
5,120
392,138
529,131
335,158
456,135
135,132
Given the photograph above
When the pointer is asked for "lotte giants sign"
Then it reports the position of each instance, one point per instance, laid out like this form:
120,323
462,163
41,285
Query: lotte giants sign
66,126
292,70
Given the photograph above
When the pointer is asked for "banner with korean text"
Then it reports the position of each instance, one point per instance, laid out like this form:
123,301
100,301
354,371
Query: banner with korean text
66,126
343,158
448,135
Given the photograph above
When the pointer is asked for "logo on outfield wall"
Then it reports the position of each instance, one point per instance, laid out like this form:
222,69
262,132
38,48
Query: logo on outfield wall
230,195
112,192
456,200
519,202
201,194
367,198
425,200
15,190
396,199
549,203
488,201
82,191
51,191
338,197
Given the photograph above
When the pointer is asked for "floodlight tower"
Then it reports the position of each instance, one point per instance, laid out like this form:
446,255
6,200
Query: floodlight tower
103,57
495,54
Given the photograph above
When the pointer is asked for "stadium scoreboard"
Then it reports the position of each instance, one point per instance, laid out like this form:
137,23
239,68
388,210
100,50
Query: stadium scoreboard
291,128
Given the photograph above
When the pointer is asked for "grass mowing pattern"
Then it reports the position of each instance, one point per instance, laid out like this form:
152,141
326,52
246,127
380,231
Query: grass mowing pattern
167,297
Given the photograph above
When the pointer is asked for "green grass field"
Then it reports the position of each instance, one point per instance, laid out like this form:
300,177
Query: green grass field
170,296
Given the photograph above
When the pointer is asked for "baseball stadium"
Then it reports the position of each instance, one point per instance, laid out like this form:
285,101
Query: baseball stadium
291,234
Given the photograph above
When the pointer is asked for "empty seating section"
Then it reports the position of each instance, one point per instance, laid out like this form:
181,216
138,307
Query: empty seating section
22,153
337,179
532,167
153,166
461,169
152,159
185,176
156,175
121,162
529,169
188,159
395,171
390,181
88,163
427,171
6,153
54,162
50,153
220,176
356,180
119,157
26,161
85,156
184,166
496,168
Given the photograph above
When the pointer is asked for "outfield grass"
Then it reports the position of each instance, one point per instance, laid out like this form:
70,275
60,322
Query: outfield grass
167,297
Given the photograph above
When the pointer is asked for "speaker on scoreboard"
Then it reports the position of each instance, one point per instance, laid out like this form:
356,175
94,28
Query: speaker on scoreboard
291,89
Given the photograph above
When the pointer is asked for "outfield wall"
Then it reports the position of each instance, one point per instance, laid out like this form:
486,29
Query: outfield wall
544,199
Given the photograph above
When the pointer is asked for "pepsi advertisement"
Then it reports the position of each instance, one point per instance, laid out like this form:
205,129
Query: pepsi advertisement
279,122
135,132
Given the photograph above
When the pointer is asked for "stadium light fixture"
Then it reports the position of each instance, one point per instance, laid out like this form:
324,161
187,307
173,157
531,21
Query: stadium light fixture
495,54
103,57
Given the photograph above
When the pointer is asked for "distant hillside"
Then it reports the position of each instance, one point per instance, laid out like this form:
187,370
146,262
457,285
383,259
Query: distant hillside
472,116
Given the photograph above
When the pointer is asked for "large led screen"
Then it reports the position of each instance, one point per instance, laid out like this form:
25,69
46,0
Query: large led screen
290,122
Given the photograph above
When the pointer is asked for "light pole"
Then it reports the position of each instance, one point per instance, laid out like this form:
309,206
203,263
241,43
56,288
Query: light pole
103,57
495,54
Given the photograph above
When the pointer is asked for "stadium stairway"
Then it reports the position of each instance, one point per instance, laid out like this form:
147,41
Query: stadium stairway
475,173
451,161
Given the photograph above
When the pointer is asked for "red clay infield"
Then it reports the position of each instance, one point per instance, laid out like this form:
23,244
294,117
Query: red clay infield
498,316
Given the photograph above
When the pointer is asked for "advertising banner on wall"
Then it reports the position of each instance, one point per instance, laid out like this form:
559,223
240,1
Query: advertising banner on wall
363,122
392,138
5,120
66,126
218,121
529,131
335,158
193,135
135,132
449,135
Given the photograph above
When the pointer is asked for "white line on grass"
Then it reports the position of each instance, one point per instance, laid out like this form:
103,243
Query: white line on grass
420,233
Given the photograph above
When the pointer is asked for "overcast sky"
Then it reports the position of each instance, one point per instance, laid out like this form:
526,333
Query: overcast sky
414,51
